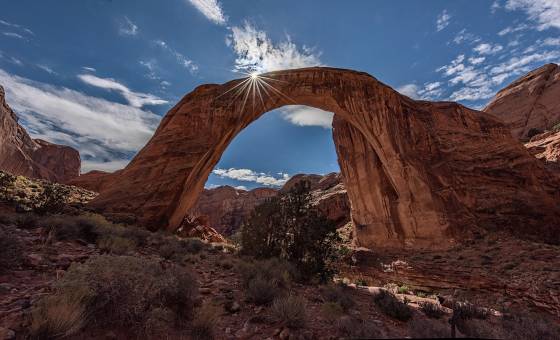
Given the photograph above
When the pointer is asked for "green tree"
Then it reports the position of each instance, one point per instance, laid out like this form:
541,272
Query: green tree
52,200
6,181
290,228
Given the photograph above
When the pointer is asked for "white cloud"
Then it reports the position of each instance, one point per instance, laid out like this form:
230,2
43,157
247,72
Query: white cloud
89,69
128,27
240,187
476,61
136,99
257,53
410,90
443,20
488,49
17,27
494,7
455,66
110,166
464,36
211,9
551,42
307,116
517,65
103,131
13,35
545,12
511,29
46,69
181,59
472,93
248,175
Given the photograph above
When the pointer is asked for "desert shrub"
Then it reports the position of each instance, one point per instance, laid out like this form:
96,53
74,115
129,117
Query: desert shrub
428,329
27,220
265,280
530,327
467,310
11,251
431,309
6,182
339,294
480,329
52,200
204,323
225,263
116,244
172,248
117,290
290,228
290,311
193,245
403,289
392,306
357,329
331,311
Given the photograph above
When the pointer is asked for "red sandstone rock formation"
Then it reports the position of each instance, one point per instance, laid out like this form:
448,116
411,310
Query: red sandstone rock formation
21,155
546,147
417,173
530,102
93,180
226,208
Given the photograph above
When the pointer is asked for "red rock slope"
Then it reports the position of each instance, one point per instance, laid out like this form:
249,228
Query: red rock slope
22,155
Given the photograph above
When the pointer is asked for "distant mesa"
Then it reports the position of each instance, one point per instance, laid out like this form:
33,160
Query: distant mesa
36,158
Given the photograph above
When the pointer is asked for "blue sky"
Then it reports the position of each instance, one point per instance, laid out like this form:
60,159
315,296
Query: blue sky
99,74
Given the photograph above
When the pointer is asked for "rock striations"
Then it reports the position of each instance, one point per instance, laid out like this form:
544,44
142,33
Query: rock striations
22,155
530,103
417,173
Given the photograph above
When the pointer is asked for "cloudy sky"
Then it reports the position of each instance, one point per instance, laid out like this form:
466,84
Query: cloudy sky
99,74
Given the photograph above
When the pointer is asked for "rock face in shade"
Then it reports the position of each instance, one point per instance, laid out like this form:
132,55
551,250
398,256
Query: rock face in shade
93,180
418,174
22,155
530,102
226,208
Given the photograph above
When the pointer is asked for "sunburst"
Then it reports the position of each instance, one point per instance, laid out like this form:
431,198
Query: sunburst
255,88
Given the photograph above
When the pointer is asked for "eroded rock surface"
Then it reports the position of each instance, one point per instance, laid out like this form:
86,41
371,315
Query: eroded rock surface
546,147
417,173
226,208
530,102
22,155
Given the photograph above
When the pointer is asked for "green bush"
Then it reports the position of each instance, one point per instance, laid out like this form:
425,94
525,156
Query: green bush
52,200
11,251
6,182
118,291
290,311
290,228
392,306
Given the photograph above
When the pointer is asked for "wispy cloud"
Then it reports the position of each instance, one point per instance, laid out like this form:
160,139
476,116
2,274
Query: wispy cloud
545,12
465,37
513,29
307,116
248,175
89,69
181,59
486,49
410,90
13,35
211,9
257,53
46,69
127,27
17,27
103,131
136,99
443,20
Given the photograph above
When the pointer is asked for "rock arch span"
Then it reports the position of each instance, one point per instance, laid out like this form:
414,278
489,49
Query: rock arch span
417,173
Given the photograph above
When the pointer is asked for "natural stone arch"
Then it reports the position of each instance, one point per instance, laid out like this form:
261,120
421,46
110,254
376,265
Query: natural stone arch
404,162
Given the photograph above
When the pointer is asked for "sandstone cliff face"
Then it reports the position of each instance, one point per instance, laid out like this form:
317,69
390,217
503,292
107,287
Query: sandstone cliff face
530,102
93,180
226,208
418,174
546,147
22,155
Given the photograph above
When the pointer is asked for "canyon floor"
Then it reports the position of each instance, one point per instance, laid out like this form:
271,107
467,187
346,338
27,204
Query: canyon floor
498,274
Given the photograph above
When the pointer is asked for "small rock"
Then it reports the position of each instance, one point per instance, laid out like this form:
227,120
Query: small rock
7,334
233,307
285,334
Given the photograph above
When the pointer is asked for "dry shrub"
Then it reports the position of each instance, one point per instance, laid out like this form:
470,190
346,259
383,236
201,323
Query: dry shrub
339,294
331,311
265,280
432,309
290,311
59,316
427,329
11,250
204,323
118,290
357,329
116,245
392,306
172,248
530,327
